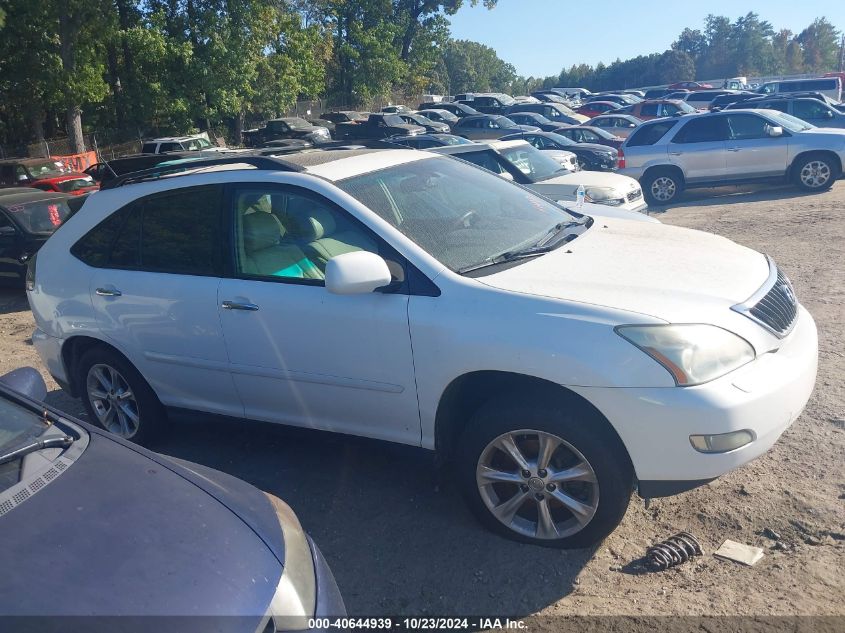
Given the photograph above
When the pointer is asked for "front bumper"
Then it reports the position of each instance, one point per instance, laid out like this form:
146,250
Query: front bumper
765,397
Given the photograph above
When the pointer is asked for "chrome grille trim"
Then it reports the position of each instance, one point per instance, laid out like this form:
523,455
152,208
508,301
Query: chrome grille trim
774,305
636,194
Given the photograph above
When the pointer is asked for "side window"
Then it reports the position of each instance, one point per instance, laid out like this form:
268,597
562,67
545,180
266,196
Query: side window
650,134
4,221
169,147
782,106
177,232
282,234
149,148
552,113
746,127
703,130
649,109
809,109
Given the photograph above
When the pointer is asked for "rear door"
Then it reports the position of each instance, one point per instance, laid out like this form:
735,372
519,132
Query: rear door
158,263
698,148
752,153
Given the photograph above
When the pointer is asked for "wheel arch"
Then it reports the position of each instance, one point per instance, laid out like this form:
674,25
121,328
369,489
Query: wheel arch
654,169
72,351
814,152
468,392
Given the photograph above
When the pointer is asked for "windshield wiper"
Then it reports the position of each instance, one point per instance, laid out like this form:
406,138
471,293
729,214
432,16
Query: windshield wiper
541,247
50,442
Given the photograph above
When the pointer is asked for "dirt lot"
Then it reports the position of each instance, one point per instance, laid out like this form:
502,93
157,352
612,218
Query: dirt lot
399,547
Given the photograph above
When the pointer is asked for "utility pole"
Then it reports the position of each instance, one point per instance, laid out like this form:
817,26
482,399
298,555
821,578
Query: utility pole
842,54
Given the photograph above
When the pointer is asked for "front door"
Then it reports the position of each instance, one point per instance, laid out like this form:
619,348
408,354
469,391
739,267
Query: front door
752,153
299,354
698,148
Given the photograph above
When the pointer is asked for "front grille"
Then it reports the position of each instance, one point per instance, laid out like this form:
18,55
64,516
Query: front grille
636,194
774,306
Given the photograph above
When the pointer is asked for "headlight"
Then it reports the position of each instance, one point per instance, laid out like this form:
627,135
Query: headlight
604,195
693,354
296,595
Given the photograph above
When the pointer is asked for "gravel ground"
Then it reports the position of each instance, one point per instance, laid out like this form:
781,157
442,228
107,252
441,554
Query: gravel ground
397,546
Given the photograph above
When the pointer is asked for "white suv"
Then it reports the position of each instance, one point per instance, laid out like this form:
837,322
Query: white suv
555,360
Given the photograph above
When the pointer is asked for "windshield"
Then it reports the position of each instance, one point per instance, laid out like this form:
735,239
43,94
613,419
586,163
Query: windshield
75,184
46,169
297,123
451,139
532,162
560,140
393,119
504,121
18,427
197,144
40,216
462,215
789,122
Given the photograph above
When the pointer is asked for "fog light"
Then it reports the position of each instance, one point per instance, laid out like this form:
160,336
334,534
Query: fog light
721,443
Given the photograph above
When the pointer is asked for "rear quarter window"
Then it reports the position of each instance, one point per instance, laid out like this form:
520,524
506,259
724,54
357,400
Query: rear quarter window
650,133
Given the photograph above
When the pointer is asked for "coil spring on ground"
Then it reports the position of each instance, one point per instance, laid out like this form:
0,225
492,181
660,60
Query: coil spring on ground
673,551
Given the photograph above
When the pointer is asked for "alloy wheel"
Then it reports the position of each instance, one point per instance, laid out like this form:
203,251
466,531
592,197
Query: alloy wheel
663,188
112,400
815,174
537,484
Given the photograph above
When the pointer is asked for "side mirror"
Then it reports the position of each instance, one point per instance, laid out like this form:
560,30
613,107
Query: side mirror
7,231
774,131
26,381
355,273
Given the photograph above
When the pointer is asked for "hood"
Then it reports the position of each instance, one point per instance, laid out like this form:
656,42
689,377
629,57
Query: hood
832,131
625,184
592,147
118,533
667,272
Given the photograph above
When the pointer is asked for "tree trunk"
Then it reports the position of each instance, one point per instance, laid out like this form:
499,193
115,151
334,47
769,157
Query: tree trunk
74,129
38,124
239,128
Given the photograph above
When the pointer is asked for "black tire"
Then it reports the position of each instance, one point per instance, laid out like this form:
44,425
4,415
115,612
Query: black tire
150,413
815,172
662,186
579,427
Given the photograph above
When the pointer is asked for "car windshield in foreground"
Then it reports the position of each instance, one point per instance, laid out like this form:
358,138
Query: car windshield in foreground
532,162
40,216
18,427
464,216
789,122
75,184
47,169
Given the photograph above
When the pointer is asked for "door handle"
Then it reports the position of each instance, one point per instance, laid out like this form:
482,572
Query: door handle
733,149
108,292
234,305
675,153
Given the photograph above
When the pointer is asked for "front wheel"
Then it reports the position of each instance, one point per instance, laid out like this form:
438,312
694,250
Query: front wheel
815,172
543,473
662,187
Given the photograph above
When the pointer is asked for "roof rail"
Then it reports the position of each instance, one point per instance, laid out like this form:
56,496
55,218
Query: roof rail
159,171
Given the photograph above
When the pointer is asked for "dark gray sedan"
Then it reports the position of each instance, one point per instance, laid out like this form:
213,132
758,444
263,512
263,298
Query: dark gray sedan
97,527
489,126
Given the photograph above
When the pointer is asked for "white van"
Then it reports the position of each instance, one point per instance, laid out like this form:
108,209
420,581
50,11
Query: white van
828,86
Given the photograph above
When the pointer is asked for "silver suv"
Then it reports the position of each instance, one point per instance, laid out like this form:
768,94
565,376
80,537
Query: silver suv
719,148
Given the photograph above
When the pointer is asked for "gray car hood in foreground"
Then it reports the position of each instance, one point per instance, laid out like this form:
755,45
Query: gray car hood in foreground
118,533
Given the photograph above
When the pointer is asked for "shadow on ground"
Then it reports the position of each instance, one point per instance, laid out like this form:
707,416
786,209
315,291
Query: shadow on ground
394,543
12,300
733,194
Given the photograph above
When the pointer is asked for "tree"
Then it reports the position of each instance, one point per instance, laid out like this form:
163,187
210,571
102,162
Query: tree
675,65
820,43
475,67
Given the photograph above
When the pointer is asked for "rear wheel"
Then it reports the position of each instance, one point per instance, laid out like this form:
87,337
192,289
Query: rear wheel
117,398
543,473
662,187
815,172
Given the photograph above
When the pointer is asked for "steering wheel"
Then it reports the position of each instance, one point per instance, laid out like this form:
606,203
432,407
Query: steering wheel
465,221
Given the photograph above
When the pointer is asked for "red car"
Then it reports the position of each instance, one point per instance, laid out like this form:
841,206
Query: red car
689,85
595,108
45,174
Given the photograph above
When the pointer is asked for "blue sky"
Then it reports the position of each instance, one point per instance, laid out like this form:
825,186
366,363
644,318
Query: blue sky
539,37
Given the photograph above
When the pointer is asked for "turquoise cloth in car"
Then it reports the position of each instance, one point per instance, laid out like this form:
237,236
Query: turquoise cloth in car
300,270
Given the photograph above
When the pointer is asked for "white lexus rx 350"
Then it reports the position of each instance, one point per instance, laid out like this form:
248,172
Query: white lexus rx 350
557,361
